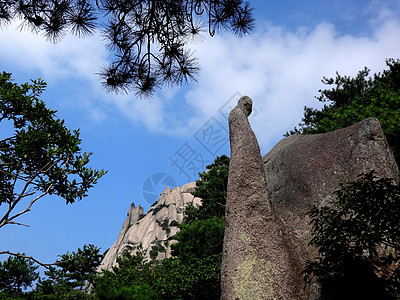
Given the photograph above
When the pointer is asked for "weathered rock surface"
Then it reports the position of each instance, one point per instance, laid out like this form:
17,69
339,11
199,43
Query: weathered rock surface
267,229
257,257
305,170
155,228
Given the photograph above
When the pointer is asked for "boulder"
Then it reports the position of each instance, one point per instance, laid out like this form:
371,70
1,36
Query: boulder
305,170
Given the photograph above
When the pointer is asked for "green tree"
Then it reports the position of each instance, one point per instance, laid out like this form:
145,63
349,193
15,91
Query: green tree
358,239
108,291
199,242
41,157
196,265
147,37
66,278
211,187
199,239
130,279
55,292
16,274
171,278
197,278
74,269
353,99
133,268
80,267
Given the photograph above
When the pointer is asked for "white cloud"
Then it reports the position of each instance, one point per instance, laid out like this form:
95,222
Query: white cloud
71,57
69,66
281,70
72,65
150,112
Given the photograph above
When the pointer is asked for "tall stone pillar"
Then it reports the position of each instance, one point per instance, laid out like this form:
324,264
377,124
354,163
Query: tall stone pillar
257,262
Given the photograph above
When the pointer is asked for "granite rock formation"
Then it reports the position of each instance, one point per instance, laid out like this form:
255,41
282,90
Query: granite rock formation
305,170
267,228
155,228
257,256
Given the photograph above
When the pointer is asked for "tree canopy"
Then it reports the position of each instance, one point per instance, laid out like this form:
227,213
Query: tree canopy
358,239
199,239
40,156
16,274
148,38
63,279
352,100
77,267
211,187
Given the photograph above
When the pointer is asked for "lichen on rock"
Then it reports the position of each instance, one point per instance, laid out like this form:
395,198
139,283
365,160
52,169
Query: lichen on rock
255,278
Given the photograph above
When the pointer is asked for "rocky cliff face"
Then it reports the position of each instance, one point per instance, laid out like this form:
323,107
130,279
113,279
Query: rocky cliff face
154,229
257,256
305,170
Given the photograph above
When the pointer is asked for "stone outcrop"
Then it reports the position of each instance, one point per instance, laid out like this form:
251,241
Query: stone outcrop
257,257
267,228
155,228
305,170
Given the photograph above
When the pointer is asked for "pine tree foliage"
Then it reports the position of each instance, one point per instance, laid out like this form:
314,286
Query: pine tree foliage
147,37
211,187
353,99
16,274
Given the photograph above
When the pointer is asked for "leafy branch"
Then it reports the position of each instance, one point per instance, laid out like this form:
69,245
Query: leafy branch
42,157
360,228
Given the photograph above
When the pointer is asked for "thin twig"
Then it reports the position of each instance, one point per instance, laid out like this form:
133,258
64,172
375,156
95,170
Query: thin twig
6,139
28,207
6,219
47,266
17,223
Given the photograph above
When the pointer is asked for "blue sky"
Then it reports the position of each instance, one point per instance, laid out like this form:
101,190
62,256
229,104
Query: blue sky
174,135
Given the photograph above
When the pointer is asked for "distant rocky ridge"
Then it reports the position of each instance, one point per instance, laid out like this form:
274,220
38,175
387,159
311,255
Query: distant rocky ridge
155,229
